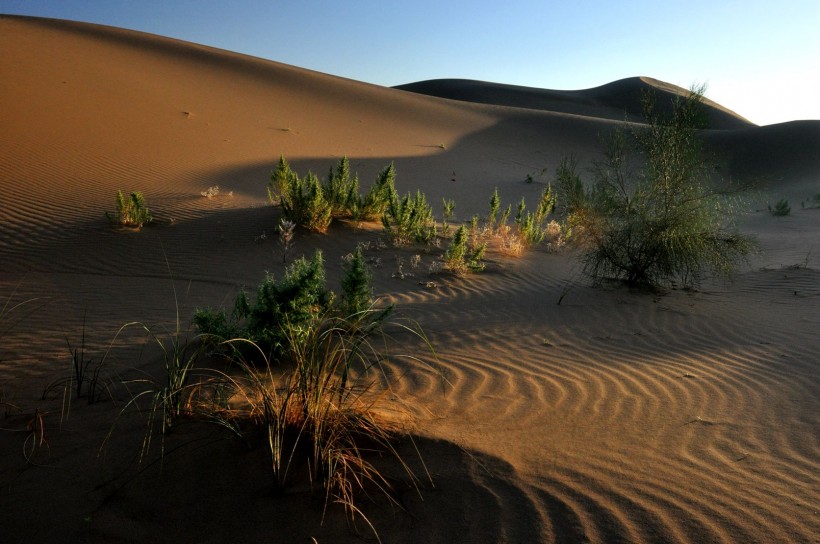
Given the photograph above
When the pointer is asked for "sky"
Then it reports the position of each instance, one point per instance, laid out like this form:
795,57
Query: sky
758,58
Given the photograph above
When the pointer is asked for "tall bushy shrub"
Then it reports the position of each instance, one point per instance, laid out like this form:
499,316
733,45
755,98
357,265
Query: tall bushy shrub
302,199
357,296
533,227
409,219
652,214
461,257
280,307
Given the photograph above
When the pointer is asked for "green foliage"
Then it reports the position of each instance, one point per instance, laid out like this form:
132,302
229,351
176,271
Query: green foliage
357,296
571,194
461,257
309,204
533,227
656,220
280,308
302,199
448,206
377,199
495,204
320,418
781,209
131,212
409,219
342,190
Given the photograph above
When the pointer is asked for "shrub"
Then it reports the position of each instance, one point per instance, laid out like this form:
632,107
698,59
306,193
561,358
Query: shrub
409,219
131,212
533,227
302,199
377,199
309,204
447,215
342,191
461,257
279,305
782,208
658,220
357,295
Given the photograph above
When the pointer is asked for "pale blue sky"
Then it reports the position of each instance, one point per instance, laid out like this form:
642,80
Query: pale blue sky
758,58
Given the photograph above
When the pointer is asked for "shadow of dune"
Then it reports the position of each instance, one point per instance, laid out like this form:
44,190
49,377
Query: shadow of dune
209,489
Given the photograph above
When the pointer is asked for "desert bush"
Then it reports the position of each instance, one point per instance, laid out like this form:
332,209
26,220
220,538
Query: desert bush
357,295
291,302
302,199
533,226
282,307
780,209
341,189
131,211
373,205
409,219
448,213
313,205
658,219
461,257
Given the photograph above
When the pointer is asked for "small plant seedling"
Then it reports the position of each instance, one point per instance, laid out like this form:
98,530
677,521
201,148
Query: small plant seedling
286,231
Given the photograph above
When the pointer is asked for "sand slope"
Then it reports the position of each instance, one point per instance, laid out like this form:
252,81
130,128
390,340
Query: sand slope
615,416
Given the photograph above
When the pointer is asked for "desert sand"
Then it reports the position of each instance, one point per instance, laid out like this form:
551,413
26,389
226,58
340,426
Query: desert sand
616,416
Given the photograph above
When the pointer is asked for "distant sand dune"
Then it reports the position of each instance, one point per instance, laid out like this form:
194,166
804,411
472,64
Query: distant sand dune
616,416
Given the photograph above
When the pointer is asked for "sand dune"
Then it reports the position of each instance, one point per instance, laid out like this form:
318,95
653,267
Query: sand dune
616,416
617,100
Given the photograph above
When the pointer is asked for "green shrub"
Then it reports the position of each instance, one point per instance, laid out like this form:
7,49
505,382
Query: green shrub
357,296
447,215
279,306
342,191
533,227
309,204
652,216
377,199
302,199
782,208
131,212
409,219
461,257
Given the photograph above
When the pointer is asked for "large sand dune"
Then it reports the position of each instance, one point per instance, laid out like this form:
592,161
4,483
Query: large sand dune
616,416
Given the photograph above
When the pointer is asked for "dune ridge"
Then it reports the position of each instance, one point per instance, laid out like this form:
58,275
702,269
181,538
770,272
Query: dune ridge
614,416
618,100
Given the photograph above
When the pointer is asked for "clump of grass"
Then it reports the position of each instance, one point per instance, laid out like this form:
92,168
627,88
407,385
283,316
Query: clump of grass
131,211
85,377
324,413
782,208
